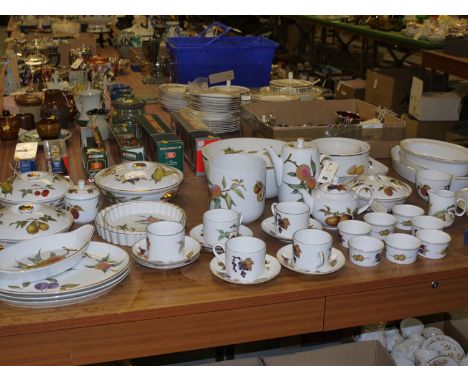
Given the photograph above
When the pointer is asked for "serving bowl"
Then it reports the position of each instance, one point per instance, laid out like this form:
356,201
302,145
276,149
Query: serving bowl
132,181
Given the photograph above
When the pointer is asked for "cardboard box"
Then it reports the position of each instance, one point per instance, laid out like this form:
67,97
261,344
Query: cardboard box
194,137
351,89
311,120
433,106
389,88
458,136
368,353
426,129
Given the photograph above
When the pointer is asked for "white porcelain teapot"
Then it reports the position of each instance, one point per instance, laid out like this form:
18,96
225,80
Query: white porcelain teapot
296,170
333,203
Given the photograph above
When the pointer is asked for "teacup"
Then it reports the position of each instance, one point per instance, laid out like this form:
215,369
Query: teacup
365,251
434,243
431,180
404,213
312,249
243,257
383,224
220,225
289,218
165,241
445,205
402,248
423,356
426,222
351,228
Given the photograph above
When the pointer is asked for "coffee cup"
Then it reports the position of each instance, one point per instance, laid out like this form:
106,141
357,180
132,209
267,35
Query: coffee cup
289,218
404,213
220,225
431,180
312,249
402,248
243,257
365,251
165,241
434,243
351,228
383,224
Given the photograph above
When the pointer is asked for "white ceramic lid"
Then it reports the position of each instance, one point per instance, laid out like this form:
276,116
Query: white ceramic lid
137,177
255,146
29,221
433,149
384,187
82,192
34,187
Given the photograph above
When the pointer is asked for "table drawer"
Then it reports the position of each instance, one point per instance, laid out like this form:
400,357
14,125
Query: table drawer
387,304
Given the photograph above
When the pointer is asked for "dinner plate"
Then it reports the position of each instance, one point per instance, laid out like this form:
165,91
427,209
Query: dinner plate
33,136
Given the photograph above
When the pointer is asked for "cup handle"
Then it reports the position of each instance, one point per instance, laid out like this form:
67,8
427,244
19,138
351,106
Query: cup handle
463,209
241,219
371,199
322,260
215,252
273,210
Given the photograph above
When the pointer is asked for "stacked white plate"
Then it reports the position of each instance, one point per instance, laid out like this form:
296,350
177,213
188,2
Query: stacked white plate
219,107
125,223
102,268
173,97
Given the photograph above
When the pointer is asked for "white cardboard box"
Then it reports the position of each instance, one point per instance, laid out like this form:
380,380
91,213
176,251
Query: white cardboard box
433,106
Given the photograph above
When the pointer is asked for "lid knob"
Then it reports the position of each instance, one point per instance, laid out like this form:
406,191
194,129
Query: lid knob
300,143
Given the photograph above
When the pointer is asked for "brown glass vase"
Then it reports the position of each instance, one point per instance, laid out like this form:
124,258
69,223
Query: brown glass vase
56,104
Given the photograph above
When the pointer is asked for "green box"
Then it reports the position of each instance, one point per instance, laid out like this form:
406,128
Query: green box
93,151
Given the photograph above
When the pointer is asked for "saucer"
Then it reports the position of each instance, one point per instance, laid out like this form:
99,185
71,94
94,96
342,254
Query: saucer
284,255
192,248
197,234
268,226
272,269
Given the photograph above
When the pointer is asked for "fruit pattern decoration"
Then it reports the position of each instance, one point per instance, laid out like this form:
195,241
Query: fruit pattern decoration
305,174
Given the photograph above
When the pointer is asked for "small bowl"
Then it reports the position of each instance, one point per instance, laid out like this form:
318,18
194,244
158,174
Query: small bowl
404,213
409,326
365,251
402,248
434,243
426,222
48,128
351,228
383,224
25,121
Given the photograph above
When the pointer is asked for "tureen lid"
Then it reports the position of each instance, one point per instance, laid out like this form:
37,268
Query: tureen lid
33,187
384,187
129,103
27,99
82,192
29,221
334,189
136,177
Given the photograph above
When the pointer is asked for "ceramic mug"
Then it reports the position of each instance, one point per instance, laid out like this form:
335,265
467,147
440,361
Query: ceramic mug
426,222
220,225
243,257
404,213
312,249
165,241
434,243
365,251
289,218
402,248
431,180
237,182
351,228
443,204
383,224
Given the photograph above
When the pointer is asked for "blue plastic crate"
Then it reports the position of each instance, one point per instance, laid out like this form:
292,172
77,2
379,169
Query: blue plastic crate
249,57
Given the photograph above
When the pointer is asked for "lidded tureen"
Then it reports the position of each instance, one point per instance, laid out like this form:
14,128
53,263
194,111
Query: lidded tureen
34,187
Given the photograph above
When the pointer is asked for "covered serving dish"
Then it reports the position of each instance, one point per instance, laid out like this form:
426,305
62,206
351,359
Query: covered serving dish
29,221
138,181
388,191
34,187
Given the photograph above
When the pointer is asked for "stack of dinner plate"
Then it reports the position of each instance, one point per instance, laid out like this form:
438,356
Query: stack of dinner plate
173,97
101,269
219,107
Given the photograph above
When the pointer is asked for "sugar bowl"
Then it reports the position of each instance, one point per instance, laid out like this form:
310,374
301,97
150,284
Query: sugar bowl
82,202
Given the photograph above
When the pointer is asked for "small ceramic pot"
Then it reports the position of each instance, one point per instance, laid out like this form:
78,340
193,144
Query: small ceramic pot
82,202
25,121
365,251
9,127
382,224
426,222
48,128
29,103
434,243
404,213
351,228
402,248
431,180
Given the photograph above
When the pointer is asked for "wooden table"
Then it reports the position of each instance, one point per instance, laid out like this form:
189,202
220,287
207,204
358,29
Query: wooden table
438,60
156,312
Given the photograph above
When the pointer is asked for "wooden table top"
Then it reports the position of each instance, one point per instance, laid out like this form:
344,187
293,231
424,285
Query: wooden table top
447,63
